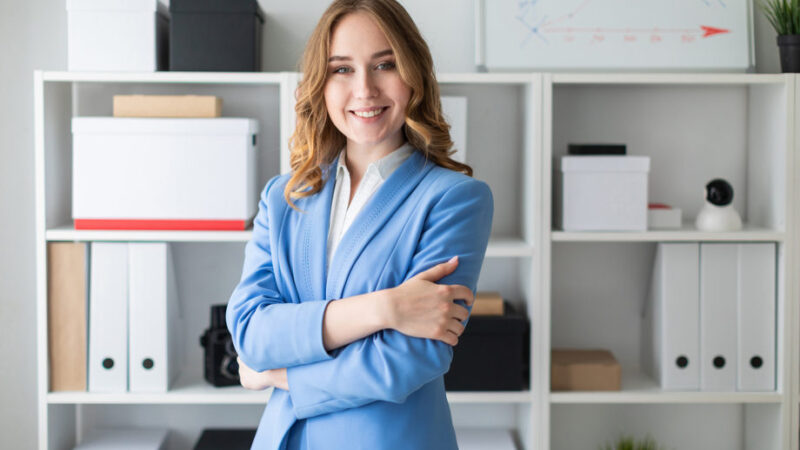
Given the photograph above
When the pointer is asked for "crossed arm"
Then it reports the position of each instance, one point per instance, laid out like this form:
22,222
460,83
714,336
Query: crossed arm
381,345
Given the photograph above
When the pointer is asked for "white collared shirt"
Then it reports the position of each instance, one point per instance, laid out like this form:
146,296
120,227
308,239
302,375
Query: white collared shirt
377,172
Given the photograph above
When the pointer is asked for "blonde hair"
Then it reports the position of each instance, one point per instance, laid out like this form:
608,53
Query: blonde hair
316,141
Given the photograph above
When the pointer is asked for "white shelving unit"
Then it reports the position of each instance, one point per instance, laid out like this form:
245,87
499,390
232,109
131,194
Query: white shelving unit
694,127
192,404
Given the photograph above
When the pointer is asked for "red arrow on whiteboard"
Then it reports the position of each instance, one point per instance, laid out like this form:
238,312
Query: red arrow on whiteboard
710,31
706,30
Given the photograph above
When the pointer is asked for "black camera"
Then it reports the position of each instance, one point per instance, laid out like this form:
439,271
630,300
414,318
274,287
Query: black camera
221,367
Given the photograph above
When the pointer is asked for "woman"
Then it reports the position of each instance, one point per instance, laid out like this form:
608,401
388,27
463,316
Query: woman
376,216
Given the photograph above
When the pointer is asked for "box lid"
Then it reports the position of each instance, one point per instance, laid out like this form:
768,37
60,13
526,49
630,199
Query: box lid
139,125
216,6
115,5
605,163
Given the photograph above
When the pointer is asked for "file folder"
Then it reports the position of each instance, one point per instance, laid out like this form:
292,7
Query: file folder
718,318
108,317
673,353
67,300
756,316
153,318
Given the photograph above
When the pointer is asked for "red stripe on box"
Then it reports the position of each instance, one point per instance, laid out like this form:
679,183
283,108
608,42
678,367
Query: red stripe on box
135,224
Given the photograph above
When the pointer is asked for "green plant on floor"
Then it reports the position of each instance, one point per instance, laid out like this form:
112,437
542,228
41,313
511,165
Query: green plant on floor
631,443
784,15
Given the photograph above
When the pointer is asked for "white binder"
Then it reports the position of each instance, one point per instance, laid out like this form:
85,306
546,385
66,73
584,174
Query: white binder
756,317
154,320
673,318
718,321
108,317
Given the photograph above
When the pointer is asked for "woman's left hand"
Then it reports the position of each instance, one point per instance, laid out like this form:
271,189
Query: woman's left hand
258,381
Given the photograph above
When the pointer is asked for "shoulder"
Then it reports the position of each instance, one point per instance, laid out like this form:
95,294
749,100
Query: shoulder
272,194
441,184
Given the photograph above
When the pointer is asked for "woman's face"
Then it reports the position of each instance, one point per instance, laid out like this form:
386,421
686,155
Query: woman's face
364,94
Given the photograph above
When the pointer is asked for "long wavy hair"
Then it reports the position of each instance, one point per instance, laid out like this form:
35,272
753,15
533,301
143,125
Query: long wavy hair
316,142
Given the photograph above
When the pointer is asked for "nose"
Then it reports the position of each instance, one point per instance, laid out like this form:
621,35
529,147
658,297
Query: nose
365,85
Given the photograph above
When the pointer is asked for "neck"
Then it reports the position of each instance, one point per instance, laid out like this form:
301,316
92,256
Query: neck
359,156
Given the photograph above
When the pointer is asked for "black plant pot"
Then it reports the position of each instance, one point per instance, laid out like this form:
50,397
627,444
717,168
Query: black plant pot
789,48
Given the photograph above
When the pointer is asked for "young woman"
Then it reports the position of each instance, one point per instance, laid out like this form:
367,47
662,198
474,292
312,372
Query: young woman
364,260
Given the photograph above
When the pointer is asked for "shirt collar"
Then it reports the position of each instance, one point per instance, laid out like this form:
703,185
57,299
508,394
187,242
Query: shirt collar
384,166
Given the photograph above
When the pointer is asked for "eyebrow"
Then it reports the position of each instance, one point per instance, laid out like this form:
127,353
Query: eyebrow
379,54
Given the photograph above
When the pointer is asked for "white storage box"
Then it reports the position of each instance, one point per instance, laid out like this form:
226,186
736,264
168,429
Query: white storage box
604,193
117,35
175,174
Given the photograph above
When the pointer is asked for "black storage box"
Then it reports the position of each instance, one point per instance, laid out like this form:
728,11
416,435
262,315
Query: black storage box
492,354
229,439
215,35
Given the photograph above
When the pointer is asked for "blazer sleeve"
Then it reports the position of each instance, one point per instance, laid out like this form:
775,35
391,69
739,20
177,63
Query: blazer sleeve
268,331
389,365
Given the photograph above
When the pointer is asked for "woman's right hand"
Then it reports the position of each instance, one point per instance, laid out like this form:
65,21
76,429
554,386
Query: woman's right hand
421,308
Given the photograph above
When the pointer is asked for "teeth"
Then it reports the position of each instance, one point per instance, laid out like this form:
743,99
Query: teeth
368,114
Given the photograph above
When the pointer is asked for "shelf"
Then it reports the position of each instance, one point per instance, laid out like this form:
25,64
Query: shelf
165,77
668,78
191,388
639,388
500,247
254,77
686,233
68,233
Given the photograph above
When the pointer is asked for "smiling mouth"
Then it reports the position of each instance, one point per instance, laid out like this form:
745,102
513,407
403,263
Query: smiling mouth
370,113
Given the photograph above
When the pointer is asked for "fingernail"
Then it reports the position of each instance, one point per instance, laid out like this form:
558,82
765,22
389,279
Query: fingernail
454,258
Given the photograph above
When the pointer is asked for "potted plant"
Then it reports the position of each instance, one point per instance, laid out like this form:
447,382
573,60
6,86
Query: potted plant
784,15
630,443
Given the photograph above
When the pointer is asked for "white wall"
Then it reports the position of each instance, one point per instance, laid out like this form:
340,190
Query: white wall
33,36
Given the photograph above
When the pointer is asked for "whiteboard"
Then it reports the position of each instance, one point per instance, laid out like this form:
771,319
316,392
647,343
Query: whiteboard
713,35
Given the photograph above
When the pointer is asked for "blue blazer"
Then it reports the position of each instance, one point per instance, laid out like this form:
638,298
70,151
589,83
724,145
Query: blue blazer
385,391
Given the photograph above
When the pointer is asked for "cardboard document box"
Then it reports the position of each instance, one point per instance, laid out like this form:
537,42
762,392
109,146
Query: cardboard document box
163,174
603,193
167,106
117,35
67,302
584,370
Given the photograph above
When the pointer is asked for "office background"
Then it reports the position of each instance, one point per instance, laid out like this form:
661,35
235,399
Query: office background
33,36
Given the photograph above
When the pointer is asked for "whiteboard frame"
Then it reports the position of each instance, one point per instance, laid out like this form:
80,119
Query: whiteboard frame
480,51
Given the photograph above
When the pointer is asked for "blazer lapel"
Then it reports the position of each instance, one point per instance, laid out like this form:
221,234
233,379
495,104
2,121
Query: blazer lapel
376,212
314,223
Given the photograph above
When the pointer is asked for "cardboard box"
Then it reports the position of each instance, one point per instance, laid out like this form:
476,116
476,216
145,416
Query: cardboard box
167,106
603,193
163,174
117,35
584,370
487,304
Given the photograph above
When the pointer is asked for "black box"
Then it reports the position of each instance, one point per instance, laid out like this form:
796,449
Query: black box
597,149
215,35
229,439
493,354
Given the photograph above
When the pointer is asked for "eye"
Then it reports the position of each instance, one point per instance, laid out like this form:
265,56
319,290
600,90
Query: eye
342,69
386,65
